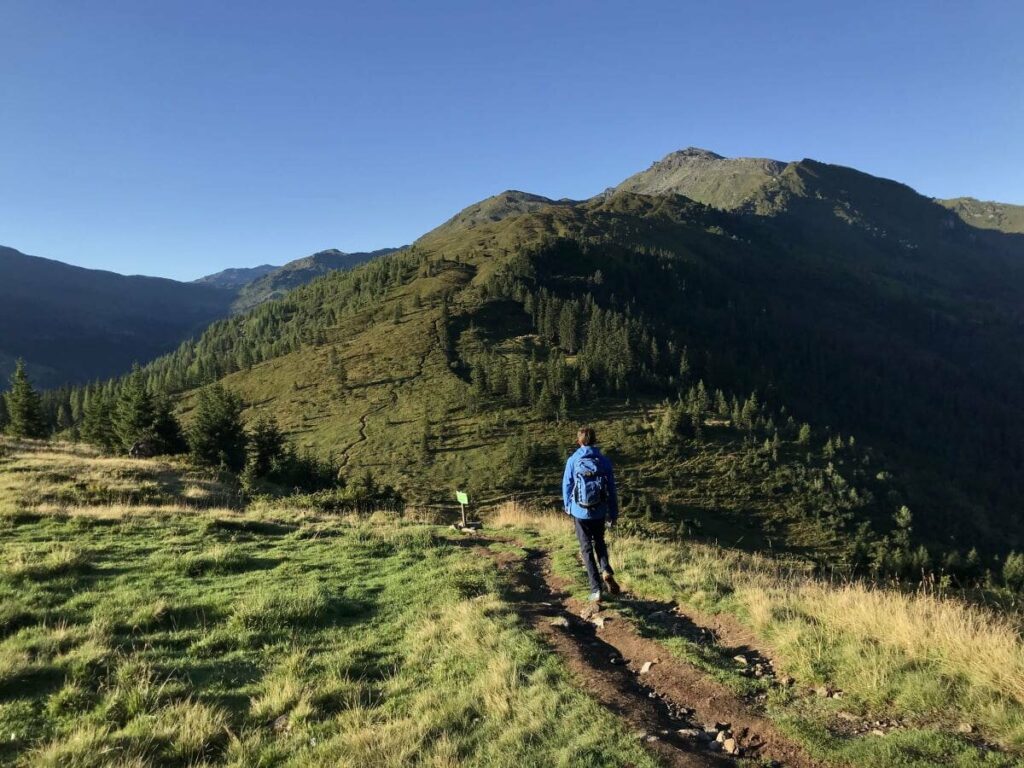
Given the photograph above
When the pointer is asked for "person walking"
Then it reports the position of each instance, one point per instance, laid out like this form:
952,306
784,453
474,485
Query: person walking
589,496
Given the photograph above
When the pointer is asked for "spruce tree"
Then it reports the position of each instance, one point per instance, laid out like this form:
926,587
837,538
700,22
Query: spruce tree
97,426
805,434
217,437
266,446
63,417
24,406
166,428
3,413
133,412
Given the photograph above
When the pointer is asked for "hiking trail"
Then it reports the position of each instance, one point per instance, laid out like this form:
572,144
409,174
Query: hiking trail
682,715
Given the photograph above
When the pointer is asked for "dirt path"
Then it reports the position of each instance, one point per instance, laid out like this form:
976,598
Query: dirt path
392,402
674,706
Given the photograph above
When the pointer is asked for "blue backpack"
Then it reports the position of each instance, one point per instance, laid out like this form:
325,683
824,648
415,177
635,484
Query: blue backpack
590,488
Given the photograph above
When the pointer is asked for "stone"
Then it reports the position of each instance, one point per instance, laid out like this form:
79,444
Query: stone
559,621
722,736
714,746
877,732
787,681
740,659
822,691
281,724
143,449
723,726
646,667
965,728
614,660
690,733
599,621
730,746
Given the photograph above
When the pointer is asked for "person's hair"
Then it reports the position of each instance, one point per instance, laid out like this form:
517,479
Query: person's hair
586,436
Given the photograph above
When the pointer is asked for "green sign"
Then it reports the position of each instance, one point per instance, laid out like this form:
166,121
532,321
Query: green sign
462,497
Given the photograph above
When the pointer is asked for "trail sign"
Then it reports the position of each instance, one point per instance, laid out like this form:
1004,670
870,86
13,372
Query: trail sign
462,497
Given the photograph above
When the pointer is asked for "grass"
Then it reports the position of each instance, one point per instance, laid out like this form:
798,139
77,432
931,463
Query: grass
176,634
183,636
932,661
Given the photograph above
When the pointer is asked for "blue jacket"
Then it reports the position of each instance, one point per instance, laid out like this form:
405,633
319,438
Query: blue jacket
611,508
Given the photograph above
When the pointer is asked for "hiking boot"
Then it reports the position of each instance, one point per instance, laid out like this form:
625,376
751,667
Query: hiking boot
611,583
595,596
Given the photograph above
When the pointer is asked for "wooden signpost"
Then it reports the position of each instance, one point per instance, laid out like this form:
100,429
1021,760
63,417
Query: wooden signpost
463,498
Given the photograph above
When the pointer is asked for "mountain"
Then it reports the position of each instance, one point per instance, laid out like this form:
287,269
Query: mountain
704,176
987,214
73,324
278,281
508,203
235,278
788,368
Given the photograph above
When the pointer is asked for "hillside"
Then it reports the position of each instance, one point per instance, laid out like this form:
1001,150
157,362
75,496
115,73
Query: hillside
235,278
148,617
699,341
986,214
276,282
73,324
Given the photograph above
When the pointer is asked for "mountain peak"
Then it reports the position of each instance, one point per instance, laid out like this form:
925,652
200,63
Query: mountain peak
694,153
705,176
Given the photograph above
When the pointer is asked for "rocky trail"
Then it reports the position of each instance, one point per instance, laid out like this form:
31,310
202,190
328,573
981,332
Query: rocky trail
683,716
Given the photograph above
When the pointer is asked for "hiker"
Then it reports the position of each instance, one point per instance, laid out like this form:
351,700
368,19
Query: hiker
588,494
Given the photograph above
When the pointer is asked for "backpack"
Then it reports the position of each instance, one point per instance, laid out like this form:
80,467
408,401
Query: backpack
591,487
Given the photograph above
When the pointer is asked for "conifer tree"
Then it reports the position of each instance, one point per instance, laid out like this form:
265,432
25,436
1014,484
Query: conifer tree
24,406
166,428
266,445
63,417
97,427
805,434
545,405
568,327
217,437
133,414
3,413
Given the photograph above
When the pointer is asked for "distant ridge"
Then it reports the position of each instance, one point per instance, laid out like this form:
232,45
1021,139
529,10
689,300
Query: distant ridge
280,280
987,214
72,324
236,277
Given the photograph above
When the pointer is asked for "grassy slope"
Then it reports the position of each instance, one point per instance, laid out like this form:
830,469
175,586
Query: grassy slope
717,181
987,214
928,663
165,630
399,385
169,635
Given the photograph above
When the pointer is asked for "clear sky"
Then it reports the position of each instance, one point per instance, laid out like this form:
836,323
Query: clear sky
177,138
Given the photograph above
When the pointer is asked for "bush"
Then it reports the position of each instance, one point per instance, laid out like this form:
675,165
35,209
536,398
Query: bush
362,497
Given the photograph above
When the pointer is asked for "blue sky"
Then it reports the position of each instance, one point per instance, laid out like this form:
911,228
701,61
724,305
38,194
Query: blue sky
177,138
